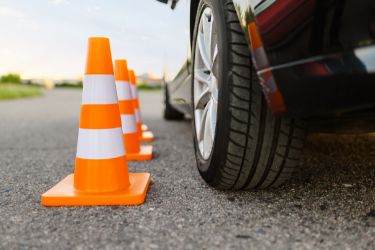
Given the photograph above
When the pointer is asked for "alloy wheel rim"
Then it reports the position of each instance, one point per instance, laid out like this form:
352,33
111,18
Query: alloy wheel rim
206,83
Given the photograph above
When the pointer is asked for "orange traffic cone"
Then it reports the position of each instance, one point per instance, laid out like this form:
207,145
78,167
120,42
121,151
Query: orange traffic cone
101,173
129,126
145,136
144,127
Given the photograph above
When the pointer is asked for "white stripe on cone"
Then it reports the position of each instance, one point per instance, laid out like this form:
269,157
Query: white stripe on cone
123,90
137,115
260,57
100,143
128,124
134,91
96,90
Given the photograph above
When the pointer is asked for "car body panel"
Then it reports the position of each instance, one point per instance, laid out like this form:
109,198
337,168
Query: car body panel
180,90
314,58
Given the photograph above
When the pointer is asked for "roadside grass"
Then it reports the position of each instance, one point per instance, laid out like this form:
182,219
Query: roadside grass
69,85
10,91
145,87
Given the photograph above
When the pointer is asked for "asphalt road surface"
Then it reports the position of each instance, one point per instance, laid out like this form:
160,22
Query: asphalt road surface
329,203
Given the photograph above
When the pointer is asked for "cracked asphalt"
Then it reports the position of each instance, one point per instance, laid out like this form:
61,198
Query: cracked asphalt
329,203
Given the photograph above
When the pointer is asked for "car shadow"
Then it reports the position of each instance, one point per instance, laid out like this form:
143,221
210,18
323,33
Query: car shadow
331,161
335,179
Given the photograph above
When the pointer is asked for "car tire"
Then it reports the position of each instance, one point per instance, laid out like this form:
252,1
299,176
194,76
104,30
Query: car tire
252,148
169,112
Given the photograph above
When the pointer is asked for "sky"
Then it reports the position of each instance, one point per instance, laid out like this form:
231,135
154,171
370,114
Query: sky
48,38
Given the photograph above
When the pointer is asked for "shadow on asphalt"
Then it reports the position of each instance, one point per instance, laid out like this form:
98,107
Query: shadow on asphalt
336,176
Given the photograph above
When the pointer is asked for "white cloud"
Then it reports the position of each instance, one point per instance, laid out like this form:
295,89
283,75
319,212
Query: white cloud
93,9
9,12
58,2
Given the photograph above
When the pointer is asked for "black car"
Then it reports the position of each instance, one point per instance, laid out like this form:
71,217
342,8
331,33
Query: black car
263,73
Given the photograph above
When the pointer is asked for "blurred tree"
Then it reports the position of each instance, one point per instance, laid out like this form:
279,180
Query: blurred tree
10,78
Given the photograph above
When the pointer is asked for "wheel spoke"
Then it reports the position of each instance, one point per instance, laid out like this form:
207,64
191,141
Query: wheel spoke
203,51
203,99
201,76
208,136
214,88
202,124
214,59
201,145
208,29
213,116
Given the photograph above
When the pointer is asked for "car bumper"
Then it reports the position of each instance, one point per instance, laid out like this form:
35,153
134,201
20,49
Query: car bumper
331,85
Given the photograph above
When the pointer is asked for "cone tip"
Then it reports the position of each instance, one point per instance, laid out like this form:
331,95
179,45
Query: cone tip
98,38
120,60
132,76
121,70
99,58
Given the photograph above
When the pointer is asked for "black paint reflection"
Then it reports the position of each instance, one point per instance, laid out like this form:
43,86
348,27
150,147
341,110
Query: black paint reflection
297,29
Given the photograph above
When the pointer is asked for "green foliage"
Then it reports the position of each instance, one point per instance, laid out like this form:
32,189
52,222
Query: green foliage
142,87
10,78
13,91
69,85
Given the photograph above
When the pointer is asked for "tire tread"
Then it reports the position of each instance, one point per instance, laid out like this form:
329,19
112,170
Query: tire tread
266,149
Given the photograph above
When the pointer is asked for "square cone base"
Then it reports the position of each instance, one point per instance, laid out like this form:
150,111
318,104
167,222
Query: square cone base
144,127
63,194
145,154
147,136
